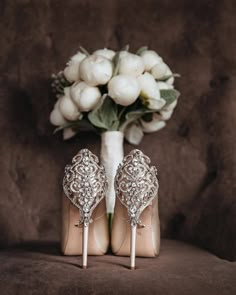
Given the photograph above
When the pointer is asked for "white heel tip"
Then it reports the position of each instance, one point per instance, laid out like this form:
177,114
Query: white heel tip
132,267
84,267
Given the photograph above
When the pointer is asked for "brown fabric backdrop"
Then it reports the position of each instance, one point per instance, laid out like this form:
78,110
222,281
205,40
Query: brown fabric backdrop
195,153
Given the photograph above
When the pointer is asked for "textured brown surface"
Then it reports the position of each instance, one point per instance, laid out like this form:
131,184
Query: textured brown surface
180,270
195,153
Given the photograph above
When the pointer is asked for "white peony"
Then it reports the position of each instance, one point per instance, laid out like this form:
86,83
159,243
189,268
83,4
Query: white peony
124,53
155,124
168,110
148,86
130,64
171,106
107,53
165,115
84,96
96,70
156,103
71,72
171,80
163,85
150,59
124,89
67,107
56,118
150,91
159,70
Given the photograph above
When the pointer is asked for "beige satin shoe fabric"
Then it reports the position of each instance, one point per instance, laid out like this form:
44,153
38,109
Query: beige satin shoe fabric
71,237
148,237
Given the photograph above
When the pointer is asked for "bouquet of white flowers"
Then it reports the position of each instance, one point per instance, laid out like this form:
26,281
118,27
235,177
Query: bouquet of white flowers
117,94
114,91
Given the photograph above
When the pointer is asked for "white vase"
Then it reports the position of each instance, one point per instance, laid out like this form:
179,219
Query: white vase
112,153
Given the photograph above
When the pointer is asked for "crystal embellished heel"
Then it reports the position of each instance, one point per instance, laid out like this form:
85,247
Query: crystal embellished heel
85,185
136,187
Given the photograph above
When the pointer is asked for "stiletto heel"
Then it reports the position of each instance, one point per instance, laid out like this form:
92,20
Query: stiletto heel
136,187
85,185
85,245
133,246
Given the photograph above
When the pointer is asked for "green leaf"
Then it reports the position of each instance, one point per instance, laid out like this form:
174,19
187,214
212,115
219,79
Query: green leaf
147,117
134,116
169,95
104,116
141,50
78,125
83,125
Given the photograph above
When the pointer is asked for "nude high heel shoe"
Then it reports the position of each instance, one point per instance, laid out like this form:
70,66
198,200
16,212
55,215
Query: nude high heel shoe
136,228
85,185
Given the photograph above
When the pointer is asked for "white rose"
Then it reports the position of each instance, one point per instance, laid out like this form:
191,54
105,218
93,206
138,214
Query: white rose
150,91
71,72
150,59
124,89
84,96
154,125
96,70
130,64
68,108
107,53
133,134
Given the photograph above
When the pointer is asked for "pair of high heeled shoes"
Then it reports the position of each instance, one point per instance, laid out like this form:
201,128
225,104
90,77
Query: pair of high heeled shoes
135,226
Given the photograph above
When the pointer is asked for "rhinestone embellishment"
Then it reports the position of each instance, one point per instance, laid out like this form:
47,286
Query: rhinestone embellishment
85,184
136,184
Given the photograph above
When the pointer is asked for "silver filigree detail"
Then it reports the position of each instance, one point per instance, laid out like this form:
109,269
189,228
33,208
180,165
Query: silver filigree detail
136,184
85,183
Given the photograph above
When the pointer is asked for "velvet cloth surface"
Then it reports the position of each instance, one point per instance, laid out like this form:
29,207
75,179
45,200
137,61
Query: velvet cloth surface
180,269
195,153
